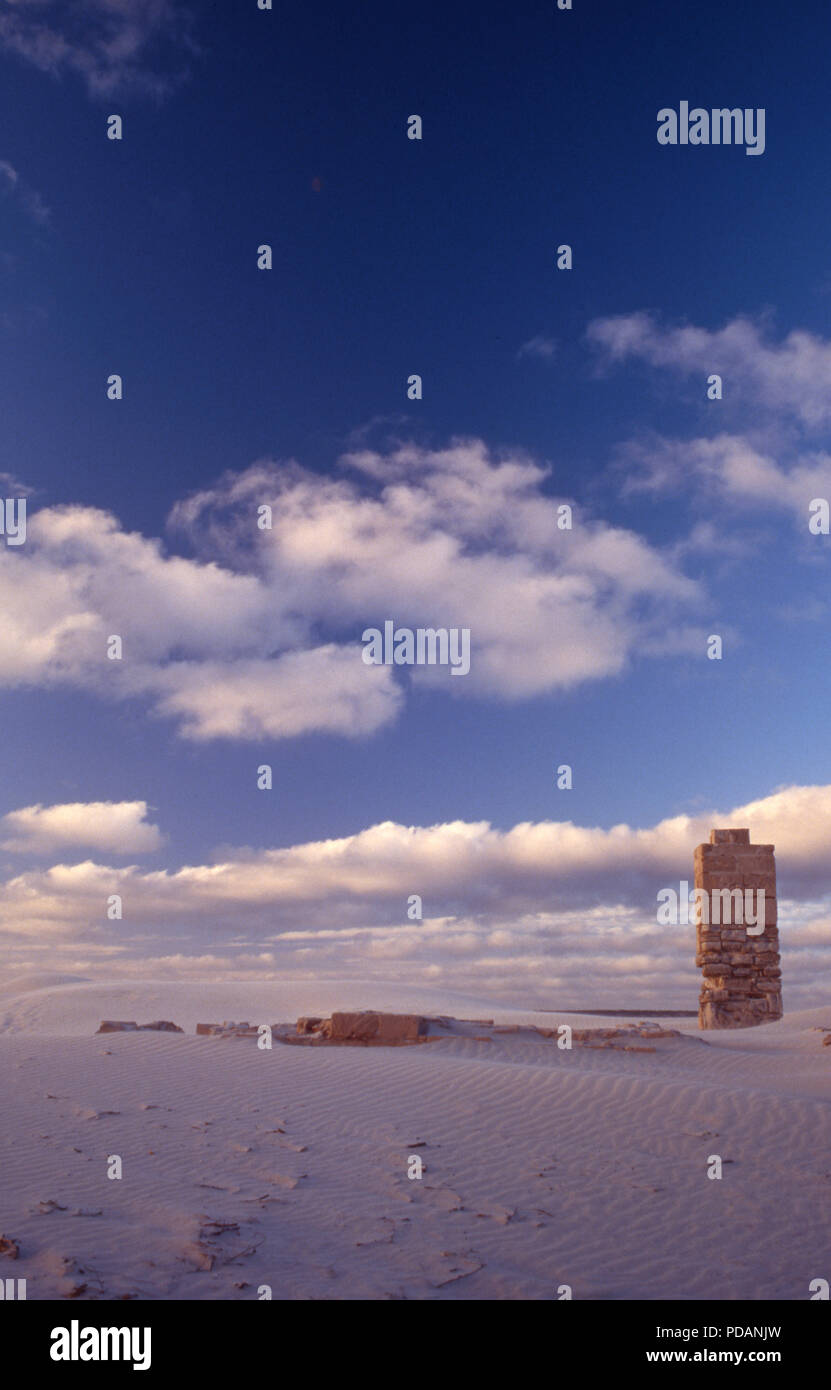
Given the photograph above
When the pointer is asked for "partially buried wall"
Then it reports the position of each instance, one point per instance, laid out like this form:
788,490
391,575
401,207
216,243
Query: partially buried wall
737,944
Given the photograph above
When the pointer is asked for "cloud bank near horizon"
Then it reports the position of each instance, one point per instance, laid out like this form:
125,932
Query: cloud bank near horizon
545,910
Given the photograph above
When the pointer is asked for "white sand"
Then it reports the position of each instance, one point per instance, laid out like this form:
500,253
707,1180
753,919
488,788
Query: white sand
543,1167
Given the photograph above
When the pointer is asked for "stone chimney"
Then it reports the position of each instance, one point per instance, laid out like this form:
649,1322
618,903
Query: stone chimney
737,945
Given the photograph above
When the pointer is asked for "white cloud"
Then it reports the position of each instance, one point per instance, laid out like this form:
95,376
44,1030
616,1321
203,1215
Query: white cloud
262,633
111,827
30,200
538,908
11,486
111,44
449,538
539,346
791,377
732,469
325,690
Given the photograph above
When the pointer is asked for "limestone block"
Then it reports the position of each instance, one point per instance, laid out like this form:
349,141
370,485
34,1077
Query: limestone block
368,1026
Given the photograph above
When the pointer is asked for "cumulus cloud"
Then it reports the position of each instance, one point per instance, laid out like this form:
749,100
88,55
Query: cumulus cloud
113,45
453,538
260,633
111,827
791,377
565,914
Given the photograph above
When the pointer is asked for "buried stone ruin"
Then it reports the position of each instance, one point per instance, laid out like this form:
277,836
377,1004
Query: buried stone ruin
742,980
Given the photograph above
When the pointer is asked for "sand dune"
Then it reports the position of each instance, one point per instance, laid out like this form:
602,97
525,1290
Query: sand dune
288,1168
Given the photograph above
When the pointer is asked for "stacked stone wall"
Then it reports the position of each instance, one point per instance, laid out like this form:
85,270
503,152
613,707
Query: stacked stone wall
742,979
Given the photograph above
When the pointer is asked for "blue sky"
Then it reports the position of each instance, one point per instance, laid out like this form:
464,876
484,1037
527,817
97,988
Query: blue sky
241,386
